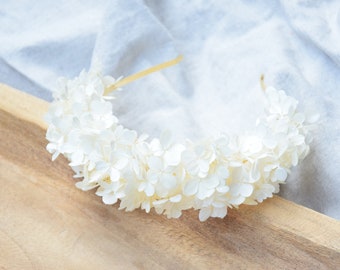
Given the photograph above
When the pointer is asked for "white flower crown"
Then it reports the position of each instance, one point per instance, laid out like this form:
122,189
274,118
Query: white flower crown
209,175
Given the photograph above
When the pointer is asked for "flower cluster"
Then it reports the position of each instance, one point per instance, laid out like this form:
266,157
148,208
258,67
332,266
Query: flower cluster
209,175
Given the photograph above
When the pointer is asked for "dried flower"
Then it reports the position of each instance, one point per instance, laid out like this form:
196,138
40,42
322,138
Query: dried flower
209,175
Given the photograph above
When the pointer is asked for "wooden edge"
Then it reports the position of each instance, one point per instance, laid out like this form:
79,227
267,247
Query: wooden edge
298,221
276,212
22,105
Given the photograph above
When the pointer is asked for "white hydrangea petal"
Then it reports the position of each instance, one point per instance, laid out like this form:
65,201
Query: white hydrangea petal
160,202
129,137
280,174
156,147
212,182
235,164
142,186
121,163
155,163
85,186
108,80
219,212
101,191
246,190
242,189
100,107
223,172
219,204
114,174
237,174
204,190
146,206
298,139
203,165
191,188
270,142
172,157
77,158
236,200
176,199
143,137
149,190
174,213
199,149
264,192
223,189
153,177
168,181
295,158
109,198
255,173
204,213
252,144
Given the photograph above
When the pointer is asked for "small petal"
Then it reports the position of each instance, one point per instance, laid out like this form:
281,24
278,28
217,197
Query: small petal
172,156
281,174
242,189
223,189
191,188
146,206
223,172
168,181
204,213
175,213
129,136
236,200
114,175
255,173
155,163
203,165
160,202
246,190
149,190
204,191
55,155
176,198
121,163
109,198
219,212
270,142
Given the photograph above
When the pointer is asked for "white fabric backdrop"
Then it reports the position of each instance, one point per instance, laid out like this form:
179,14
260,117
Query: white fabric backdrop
227,45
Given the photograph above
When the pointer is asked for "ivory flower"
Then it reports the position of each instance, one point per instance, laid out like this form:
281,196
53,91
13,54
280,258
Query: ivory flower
210,175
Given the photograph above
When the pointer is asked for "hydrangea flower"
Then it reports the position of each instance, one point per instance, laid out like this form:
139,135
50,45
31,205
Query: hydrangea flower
210,175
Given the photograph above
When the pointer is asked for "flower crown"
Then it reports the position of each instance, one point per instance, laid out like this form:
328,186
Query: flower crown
210,175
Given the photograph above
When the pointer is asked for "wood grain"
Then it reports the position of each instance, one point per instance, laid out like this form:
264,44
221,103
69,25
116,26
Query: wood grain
46,223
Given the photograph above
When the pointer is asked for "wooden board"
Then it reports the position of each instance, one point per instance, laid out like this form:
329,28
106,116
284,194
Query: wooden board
47,223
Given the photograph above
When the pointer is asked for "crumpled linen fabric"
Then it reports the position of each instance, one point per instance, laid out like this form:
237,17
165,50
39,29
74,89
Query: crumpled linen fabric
226,45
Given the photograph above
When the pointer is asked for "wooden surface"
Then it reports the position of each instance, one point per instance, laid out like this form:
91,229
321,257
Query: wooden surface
47,223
